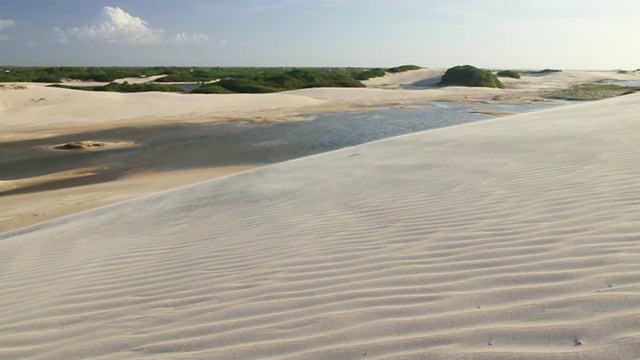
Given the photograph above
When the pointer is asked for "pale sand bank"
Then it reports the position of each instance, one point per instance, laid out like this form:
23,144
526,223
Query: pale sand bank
509,238
20,210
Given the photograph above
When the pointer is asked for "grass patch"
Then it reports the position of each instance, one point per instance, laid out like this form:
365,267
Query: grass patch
589,92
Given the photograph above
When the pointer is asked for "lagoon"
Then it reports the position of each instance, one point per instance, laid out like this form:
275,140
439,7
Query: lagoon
164,148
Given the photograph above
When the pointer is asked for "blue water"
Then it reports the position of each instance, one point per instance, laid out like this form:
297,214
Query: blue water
626,83
329,131
222,144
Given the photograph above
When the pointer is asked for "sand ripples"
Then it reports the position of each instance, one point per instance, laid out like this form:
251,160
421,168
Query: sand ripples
512,238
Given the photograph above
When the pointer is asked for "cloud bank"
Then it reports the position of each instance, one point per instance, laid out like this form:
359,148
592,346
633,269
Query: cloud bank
118,26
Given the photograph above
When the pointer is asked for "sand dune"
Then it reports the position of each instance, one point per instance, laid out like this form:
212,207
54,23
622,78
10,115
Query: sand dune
510,238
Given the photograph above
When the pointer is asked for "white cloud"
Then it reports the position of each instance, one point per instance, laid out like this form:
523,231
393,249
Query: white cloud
6,23
3,25
118,26
184,38
222,43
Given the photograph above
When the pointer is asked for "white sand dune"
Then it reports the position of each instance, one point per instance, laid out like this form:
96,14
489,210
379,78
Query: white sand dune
511,238
40,111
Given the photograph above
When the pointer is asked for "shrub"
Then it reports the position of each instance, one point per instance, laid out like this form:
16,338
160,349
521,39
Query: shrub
125,87
211,89
545,71
289,80
47,79
403,68
369,74
509,73
467,75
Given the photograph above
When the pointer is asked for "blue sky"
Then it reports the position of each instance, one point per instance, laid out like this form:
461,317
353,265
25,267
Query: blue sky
569,34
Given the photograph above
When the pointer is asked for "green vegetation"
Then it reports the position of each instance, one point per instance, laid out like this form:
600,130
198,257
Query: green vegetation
125,87
368,74
544,72
203,74
212,88
587,92
57,73
403,68
289,80
227,80
509,73
143,87
467,75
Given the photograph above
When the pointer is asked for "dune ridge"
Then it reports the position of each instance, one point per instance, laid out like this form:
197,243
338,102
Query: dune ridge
510,238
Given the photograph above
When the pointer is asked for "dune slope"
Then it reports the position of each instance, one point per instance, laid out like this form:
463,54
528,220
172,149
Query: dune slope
511,238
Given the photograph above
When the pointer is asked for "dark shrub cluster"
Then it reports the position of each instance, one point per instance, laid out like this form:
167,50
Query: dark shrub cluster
289,80
125,87
467,75
403,68
509,73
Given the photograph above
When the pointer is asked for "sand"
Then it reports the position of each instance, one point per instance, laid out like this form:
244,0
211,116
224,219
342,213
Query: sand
509,238
20,210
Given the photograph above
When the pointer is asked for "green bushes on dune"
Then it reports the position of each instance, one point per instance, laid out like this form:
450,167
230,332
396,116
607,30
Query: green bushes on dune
289,80
467,75
403,68
509,73
212,88
544,72
124,87
589,92
368,74
56,73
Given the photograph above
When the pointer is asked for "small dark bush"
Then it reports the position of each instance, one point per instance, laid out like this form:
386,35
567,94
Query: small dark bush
509,73
545,71
211,89
125,87
369,74
403,68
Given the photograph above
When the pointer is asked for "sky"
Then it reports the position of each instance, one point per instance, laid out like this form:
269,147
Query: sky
496,34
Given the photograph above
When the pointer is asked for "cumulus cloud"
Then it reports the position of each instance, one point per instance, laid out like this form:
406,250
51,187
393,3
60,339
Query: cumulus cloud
6,23
118,26
3,25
